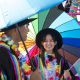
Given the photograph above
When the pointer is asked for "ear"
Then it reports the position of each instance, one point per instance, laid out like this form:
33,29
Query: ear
55,42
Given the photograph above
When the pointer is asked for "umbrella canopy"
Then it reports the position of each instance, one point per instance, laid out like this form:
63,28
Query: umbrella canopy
69,29
19,10
14,11
70,33
65,24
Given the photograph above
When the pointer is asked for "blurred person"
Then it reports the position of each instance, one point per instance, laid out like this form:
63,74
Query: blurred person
65,6
9,63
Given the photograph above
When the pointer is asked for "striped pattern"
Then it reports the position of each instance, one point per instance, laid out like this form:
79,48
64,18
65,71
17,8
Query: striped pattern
14,63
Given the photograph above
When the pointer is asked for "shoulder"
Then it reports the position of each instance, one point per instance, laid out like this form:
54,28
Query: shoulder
3,45
4,48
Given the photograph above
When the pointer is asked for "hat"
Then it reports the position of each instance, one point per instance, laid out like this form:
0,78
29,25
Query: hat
54,33
19,24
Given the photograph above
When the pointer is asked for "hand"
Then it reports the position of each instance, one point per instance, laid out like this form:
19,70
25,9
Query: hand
67,75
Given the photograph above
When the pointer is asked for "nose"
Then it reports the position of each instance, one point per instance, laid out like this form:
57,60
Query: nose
48,42
26,27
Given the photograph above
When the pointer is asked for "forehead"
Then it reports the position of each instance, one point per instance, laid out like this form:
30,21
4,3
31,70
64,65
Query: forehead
15,29
23,26
48,36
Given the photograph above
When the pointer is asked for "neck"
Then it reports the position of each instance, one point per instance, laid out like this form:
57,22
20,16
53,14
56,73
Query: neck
50,53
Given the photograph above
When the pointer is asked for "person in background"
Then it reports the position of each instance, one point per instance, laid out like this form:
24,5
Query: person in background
65,6
50,65
10,68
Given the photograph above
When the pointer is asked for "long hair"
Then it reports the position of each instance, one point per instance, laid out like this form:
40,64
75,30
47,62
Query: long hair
41,36
55,50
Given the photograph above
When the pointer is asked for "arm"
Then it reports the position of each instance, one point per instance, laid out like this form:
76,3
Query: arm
65,67
67,75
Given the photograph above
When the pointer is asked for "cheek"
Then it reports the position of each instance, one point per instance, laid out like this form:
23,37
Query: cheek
24,32
45,46
53,45
27,29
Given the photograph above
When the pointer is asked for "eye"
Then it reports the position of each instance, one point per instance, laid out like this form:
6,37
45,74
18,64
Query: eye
51,40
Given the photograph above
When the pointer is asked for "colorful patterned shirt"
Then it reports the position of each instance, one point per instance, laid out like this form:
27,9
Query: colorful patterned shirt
53,70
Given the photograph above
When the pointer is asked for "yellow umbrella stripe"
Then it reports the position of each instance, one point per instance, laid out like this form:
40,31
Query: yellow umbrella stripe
28,45
21,47
30,38
29,41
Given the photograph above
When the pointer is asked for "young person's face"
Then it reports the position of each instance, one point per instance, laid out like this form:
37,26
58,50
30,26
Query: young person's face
49,43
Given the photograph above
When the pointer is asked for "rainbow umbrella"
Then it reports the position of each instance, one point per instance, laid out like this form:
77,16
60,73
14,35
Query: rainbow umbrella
14,11
66,25
70,33
69,29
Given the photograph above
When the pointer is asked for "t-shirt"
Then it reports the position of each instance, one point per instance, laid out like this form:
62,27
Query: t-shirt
53,70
